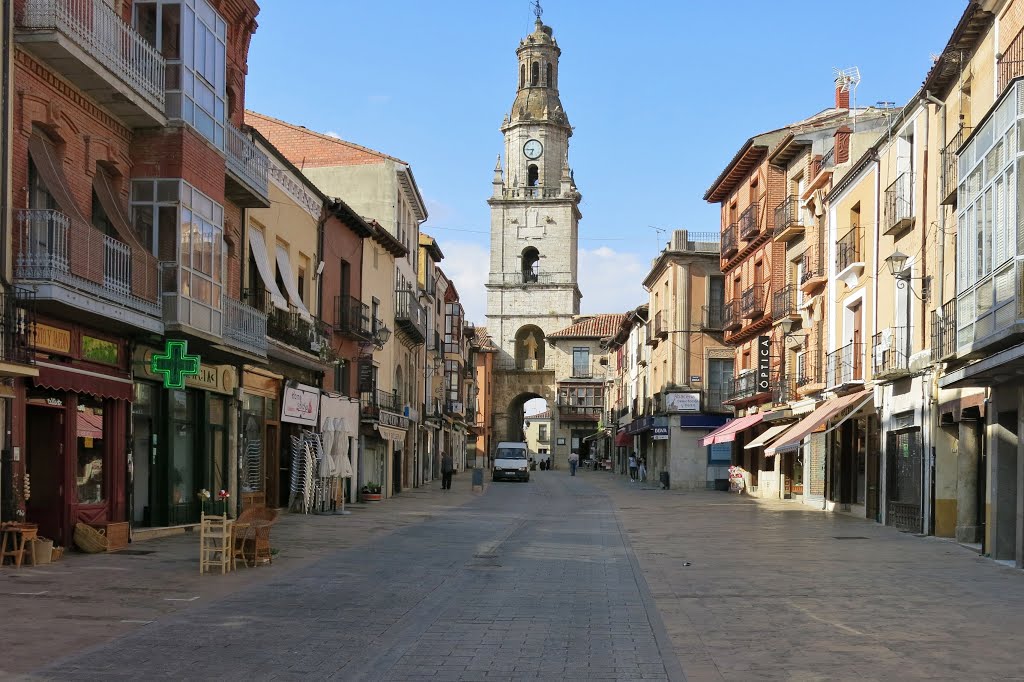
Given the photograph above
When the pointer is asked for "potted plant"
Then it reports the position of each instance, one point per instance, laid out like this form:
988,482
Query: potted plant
370,492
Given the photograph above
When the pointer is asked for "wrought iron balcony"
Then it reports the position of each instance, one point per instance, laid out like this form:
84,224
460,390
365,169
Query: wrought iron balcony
582,371
651,339
812,264
848,249
245,327
890,353
748,224
372,402
824,162
845,366
808,370
741,387
784,303
713,317
352,318
1011,64
752,302
899,205
307,334
783,389
788,219
17,326
950,167
714,399
79,267
247,180
660,325
944,332
729,241
410,317
731,317
90,45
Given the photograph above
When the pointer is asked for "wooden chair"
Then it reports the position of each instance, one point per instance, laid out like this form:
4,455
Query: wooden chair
253,539
215,544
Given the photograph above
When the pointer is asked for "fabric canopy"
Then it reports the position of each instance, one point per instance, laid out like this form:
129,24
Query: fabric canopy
391,433
790,440
285,267
258,248
727,433
107,196
623,439
89,425
51,170
82,381
766,437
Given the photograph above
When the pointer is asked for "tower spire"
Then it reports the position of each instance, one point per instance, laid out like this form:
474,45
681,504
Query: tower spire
537,9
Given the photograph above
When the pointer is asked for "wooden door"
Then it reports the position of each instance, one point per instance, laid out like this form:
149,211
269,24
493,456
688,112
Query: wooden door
858,343
45,464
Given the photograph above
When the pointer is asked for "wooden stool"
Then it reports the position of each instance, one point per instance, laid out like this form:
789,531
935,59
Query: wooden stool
216,545
17,536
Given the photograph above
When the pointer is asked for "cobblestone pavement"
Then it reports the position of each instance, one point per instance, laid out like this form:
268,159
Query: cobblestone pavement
559,579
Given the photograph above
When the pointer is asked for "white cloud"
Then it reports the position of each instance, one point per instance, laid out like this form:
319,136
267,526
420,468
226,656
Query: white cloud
466,264
611,281
331,133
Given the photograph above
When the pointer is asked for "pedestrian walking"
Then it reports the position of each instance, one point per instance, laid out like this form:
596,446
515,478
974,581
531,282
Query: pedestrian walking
574,461
632,467
641,469
447,468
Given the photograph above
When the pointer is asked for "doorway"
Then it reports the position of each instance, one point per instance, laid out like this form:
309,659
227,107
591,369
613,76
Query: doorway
396,471
45,465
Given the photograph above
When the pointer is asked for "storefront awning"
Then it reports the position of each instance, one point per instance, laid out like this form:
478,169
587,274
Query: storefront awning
290,286
790,440
727,433
767,437
702,421
391,433
82,381
623,439
258,249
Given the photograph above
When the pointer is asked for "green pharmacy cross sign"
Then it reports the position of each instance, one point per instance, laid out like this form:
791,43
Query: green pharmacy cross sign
175,364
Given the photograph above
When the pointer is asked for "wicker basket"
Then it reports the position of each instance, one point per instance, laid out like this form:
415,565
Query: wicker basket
89,539
57,553
42,551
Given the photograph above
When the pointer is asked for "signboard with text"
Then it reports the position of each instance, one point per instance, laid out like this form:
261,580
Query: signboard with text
764,351
659,433
300,404
365,375
682,402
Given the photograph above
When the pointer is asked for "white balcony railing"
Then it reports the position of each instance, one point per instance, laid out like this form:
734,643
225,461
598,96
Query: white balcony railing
246,160
95,28
245,327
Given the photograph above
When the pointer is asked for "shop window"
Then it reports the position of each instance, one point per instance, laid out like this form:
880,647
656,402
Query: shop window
90,469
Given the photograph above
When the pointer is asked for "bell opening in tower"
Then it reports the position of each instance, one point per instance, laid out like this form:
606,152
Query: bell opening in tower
532,175
531,265
535,74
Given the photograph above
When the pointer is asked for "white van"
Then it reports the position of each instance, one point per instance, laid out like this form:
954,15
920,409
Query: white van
511,460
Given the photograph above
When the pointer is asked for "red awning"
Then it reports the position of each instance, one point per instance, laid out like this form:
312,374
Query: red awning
727,433
90,425
623,439
791,439
82,381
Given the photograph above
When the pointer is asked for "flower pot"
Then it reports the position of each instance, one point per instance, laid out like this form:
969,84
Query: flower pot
371,497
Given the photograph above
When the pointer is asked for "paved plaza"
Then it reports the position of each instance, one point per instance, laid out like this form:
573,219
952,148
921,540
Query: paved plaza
563,578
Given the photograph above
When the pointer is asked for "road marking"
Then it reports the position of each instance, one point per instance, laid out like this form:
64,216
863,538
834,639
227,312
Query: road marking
31,594
140,622
845,628
180,598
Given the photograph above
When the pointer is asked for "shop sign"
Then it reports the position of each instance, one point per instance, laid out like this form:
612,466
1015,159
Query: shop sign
764,350
683,402
99,350
300,404
694,378
174,364
53,339
660,433
216,378
720,452
391,419
365,375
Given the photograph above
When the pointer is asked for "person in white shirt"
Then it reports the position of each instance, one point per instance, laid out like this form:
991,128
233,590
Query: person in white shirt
632,467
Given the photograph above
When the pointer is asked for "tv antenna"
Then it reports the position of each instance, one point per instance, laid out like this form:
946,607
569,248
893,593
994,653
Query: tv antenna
537,10
658,231
847,80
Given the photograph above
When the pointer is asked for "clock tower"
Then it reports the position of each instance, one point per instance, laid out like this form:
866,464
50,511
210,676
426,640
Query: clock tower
532,289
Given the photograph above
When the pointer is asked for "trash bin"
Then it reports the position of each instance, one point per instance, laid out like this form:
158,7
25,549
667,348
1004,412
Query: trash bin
664,480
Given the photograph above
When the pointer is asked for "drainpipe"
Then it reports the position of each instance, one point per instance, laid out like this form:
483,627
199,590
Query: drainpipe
6,456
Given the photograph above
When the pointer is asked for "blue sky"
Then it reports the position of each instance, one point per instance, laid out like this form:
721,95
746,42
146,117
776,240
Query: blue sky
661,94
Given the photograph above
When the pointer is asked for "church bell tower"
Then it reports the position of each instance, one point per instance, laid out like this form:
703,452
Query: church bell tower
532,289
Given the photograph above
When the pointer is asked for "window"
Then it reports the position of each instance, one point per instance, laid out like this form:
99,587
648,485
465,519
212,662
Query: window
522,75
549,82
532,175
581,362
855,215
302,284
531,264
581,400
452,380
192,38
89,471
453,328
716,293
535,74
375,310
720,373
542,433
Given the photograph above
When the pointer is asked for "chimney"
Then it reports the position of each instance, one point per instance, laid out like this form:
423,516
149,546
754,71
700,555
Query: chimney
842,147
842,95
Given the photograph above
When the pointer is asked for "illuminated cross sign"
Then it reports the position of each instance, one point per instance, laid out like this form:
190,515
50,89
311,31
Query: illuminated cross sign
175,364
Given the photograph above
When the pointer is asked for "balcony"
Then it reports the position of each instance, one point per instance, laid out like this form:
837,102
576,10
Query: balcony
845,367
752,302
731,318
582,371
187,314
824,163
289,327
245,327
784,303
808,373
783,389
86,42
714,399
580,413
660,325
950,167
696,242
352,318
372,402
17,332
651,339
530,193
741,387
788,222
812,264
410,317
90,276
944,332
1011,64
455,408
713,318
899,205
729,241
748,226
848,255
247,179
890,353
529,277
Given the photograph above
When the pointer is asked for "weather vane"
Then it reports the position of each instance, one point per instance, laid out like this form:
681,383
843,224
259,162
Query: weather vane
537,9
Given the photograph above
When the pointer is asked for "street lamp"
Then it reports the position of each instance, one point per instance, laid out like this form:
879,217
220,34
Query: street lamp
897,263
787,327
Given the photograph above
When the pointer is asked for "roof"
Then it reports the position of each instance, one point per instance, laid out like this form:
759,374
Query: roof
973,25
484,341
429,244
294,141
384,238
591,327
546,414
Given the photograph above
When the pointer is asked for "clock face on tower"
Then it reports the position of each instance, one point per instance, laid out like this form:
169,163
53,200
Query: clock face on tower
533,149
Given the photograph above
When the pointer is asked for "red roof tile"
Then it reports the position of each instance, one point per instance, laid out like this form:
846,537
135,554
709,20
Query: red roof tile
591,327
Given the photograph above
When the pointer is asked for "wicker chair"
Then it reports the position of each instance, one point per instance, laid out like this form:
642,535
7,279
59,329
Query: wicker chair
252,535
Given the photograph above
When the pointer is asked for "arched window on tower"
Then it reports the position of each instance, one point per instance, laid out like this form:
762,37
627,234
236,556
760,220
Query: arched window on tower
535,74
532,175
549,82
522,75
531,264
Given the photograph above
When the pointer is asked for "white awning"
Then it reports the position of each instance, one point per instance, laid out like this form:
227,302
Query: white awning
258,247
392,434
766,437
290,286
